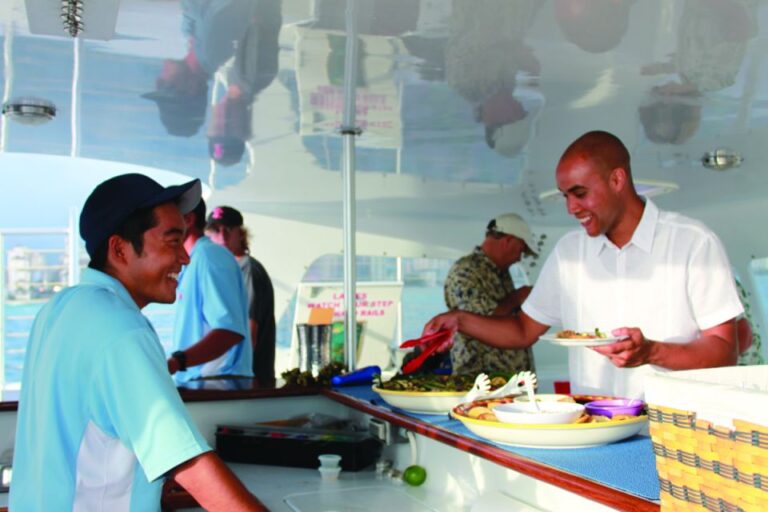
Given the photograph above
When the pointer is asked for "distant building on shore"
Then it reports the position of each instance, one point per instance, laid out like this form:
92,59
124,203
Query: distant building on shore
32,275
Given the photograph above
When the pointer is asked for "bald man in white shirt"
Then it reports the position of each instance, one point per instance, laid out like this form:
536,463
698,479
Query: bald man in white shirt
659,279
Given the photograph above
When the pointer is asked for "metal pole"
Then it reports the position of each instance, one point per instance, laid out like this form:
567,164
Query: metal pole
8,70
399,333
348,133
3,296
75,120
73,235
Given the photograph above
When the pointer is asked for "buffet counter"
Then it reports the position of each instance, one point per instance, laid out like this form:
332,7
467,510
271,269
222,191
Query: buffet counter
463,469
620,475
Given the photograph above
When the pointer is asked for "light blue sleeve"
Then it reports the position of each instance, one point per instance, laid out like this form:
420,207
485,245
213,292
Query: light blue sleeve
136,399
224,300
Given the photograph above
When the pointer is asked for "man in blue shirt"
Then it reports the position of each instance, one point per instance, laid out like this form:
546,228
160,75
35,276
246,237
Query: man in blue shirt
100,423
210,334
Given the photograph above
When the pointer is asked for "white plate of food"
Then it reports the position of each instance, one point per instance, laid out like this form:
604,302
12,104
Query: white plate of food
428,393
479,418
571,338
422,402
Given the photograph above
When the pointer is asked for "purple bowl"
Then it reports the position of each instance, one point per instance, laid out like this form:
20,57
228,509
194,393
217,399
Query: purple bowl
609,408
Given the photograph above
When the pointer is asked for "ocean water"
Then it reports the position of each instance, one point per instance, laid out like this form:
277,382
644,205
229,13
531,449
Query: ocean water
420,303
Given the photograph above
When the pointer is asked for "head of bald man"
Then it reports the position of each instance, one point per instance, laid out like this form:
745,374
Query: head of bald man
595,178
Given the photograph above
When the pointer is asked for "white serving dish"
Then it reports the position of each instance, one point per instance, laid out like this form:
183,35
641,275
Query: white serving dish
547,413
546,397
572,435
422,402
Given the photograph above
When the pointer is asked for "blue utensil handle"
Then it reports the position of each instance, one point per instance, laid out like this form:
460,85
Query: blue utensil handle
361,376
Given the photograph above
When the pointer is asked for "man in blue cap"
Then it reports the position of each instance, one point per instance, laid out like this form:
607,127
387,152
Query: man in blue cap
100,423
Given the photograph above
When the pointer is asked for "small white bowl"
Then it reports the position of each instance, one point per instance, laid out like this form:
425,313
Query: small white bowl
329,460
550,412
545,397
329,473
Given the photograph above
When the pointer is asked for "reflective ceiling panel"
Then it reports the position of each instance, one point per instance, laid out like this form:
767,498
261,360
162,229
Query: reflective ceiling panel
464,105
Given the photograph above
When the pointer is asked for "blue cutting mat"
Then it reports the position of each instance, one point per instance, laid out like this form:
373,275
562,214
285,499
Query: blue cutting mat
627,465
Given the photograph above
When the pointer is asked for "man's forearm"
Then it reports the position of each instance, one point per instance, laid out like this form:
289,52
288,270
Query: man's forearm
709,351
214,486
496,331
211,346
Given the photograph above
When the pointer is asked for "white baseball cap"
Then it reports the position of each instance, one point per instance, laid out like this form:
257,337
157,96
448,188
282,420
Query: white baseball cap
513,224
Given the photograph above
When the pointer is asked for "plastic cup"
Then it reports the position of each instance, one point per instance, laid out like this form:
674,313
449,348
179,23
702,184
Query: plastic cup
329,474
329,460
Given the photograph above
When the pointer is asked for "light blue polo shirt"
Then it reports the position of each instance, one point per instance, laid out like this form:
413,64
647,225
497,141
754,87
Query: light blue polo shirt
100,420
211,295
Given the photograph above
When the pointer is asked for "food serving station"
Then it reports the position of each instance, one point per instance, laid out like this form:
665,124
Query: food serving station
465,472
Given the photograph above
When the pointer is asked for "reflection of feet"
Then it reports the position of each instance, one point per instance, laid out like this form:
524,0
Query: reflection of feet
675,89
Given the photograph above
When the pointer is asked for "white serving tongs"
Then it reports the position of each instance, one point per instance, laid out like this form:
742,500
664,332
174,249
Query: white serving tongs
481,389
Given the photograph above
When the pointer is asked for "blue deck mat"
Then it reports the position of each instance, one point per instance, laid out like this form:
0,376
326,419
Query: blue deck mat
627,465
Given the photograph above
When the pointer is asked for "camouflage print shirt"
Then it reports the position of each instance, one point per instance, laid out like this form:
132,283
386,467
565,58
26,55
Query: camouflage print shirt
753,355
475,284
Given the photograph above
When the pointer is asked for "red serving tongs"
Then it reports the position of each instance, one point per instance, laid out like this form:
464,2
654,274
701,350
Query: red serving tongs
430,343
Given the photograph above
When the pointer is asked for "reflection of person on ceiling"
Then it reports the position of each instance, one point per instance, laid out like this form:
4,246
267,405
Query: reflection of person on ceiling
595,26
712,40
252,69
213,27
482,59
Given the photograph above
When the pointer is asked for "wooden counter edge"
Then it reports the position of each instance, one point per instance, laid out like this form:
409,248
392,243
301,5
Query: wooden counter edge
213,395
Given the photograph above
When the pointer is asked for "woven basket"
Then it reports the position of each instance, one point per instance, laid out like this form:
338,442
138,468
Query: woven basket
703,465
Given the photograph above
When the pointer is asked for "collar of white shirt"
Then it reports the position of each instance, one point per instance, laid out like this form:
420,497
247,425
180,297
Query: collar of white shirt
642,238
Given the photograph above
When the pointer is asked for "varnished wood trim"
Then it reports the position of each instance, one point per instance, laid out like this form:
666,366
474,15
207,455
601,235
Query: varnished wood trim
213,395
576,484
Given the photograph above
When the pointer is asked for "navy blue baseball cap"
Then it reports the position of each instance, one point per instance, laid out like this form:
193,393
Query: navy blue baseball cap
114,200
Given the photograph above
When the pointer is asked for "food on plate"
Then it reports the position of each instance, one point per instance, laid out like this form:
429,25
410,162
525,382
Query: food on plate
432,382
483,410
569,334
584,418
476,412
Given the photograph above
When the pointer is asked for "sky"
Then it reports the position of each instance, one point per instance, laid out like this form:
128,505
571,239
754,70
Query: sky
44,191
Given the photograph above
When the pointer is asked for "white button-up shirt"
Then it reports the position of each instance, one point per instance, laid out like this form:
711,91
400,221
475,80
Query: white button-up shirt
672,280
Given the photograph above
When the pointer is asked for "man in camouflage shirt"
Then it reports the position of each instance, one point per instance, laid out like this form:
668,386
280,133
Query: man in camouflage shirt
480,283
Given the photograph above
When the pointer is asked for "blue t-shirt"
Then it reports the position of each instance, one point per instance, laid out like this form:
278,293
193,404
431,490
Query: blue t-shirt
100,420
211,295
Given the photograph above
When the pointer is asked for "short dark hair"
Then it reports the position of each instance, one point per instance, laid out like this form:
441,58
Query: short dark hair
132,229
199,212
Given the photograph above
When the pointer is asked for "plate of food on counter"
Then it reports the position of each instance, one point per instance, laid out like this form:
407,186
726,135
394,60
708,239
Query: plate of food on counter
572,338
431,393
503,421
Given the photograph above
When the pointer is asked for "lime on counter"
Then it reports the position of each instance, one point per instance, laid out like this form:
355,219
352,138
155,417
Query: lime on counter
414,475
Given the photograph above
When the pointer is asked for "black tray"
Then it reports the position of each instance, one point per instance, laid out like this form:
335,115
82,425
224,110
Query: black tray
295,447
